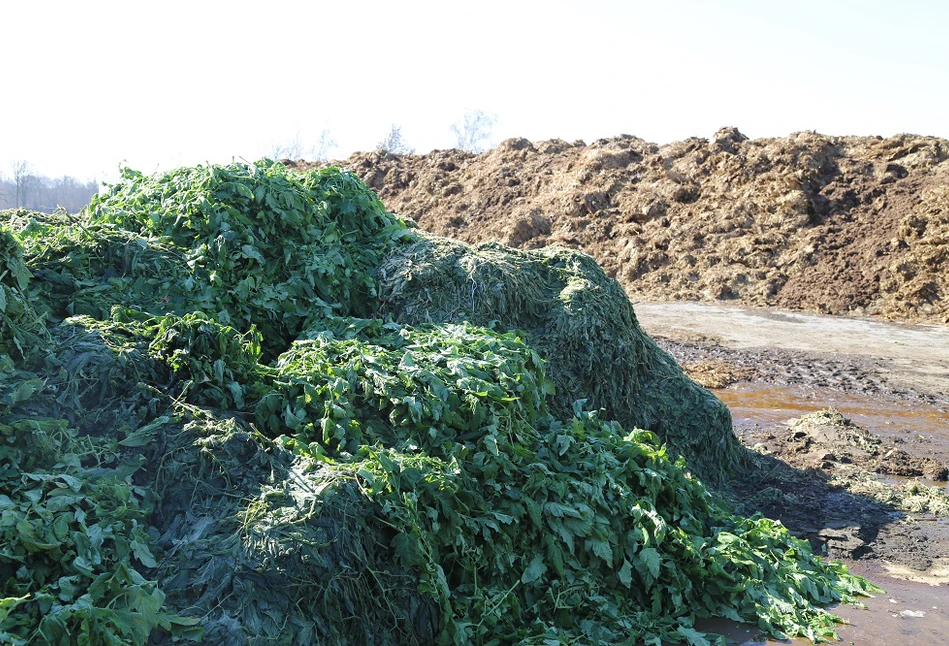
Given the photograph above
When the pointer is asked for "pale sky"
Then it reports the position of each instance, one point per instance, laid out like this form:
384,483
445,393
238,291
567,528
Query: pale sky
157,84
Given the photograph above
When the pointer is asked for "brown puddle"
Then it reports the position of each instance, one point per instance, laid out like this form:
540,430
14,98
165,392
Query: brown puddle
888,417
800,348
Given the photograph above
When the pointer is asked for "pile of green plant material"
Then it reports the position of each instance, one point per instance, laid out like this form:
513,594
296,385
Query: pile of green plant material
74,525
22,329
580,321
238,404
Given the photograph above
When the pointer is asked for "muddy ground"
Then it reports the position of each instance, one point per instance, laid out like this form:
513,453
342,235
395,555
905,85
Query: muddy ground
819,420
848,424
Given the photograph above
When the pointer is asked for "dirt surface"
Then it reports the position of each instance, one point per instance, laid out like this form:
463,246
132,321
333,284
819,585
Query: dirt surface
864,481
860,356
806,222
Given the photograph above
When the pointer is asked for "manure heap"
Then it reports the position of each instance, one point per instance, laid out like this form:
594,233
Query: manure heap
240,404
836,225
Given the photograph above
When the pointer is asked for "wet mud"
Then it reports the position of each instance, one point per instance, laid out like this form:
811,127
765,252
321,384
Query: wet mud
847,425
878,434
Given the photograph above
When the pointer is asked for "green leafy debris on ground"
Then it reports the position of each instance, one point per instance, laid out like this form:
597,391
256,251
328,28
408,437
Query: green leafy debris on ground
239,402
517,519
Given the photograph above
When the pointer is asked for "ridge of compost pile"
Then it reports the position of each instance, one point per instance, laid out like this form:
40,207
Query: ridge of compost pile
240,403
839,225
582,324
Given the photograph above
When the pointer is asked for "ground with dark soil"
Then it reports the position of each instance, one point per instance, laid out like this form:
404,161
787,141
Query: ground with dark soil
832,493
716,366
848,424
809,222
869,491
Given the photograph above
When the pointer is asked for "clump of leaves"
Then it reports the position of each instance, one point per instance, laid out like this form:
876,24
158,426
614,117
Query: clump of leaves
73,530
83,267
219,361
276,247
22,330
909,496
524,527
580,321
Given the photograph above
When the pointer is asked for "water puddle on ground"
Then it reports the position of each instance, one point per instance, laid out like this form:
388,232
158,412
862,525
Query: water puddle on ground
916,423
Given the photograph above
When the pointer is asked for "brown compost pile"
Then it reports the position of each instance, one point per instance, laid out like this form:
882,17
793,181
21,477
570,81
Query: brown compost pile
840,225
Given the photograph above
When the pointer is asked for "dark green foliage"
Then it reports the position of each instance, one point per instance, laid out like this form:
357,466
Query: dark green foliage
403,385
23,333
580,321
265,545
73,531
276,247
102,374
251,399
85,267
218,361
524,527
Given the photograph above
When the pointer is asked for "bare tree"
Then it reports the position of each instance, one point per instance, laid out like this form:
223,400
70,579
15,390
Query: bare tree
292,149
395,143
21,178
34,192
295,148
70,193
324,144
40,193
474,130
62,191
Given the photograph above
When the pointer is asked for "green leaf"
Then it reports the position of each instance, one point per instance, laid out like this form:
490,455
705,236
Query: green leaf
649,560
559,510
602,549
535,570
83,566
408,550
23,392
146,434
491,443
252,252
693,637
625,574
143,554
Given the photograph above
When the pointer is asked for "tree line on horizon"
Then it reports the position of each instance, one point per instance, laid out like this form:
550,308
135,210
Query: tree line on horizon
29,190
24,188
